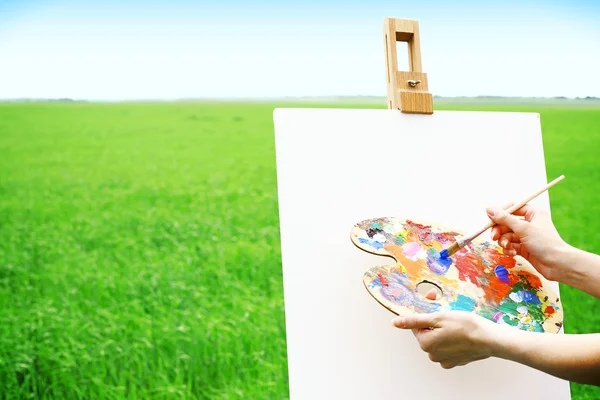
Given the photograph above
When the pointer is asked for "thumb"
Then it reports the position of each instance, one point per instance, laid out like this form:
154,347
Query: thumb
417,321
501,217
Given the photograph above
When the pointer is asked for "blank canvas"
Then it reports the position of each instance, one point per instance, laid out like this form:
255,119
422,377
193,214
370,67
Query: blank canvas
337,167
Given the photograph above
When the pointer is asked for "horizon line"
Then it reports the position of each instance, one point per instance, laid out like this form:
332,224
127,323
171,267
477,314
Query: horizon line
269,98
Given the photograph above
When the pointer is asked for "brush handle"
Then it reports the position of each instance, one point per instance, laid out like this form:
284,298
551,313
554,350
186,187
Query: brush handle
512,209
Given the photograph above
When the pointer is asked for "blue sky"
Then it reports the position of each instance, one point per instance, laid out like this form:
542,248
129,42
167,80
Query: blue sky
131,49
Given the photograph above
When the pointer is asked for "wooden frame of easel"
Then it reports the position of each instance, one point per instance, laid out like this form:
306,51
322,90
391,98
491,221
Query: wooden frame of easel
407,91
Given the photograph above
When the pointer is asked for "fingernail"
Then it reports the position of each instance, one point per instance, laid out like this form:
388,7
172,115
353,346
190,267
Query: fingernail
491,212
398,322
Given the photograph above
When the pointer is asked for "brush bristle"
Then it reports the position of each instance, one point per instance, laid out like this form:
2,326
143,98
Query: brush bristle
454,247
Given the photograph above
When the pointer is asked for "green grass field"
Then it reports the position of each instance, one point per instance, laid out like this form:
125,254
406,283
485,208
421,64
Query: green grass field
139,247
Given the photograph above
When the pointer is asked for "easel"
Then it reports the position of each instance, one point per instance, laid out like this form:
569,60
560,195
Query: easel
407,91
338,166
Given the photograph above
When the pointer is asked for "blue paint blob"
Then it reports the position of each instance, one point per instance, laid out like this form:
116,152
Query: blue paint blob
446,262
502,273
528,297
463,303
436,263
373,243
442,258
376,283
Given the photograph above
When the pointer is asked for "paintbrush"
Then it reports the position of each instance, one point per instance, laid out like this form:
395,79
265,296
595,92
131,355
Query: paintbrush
462,242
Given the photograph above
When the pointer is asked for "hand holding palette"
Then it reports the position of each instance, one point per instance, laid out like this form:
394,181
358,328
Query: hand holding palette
478,278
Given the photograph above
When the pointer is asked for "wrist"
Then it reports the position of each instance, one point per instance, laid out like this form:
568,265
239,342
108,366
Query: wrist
512,344
565,266
494,339
502,341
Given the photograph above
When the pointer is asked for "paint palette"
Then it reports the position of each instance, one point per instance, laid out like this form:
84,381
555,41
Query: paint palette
479,278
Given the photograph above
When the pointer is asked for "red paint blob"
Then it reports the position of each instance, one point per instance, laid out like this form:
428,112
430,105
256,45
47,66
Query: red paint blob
533,280
467,265
497,258
549,310
497,290
414,224
383,279
470,267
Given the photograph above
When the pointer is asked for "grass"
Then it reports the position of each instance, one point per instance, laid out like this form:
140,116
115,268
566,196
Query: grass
139,247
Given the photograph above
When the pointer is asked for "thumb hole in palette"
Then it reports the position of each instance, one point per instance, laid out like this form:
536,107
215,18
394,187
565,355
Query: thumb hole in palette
429,290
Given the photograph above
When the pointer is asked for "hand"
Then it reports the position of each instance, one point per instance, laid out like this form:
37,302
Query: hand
533,237
454,338
451,338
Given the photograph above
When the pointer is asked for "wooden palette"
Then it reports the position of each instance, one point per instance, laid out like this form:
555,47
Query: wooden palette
479,278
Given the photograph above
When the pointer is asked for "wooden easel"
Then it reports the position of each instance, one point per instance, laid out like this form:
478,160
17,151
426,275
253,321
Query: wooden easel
407,91
322,269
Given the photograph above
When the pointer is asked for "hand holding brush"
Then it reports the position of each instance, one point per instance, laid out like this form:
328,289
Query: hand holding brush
462,242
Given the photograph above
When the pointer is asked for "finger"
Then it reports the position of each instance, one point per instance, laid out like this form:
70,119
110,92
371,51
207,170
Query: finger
536,213
521,212
431,295
510,252
447,365
507,248
495,232
507,238
516,247
501,217
417,321
435,358
499,230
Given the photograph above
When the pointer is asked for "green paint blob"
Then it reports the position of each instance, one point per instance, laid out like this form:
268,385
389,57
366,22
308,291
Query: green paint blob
538,328
400,238
511,322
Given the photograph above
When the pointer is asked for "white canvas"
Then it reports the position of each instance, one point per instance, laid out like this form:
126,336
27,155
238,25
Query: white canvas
337,167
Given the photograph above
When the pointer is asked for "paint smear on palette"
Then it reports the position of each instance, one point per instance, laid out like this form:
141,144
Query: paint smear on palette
479,278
